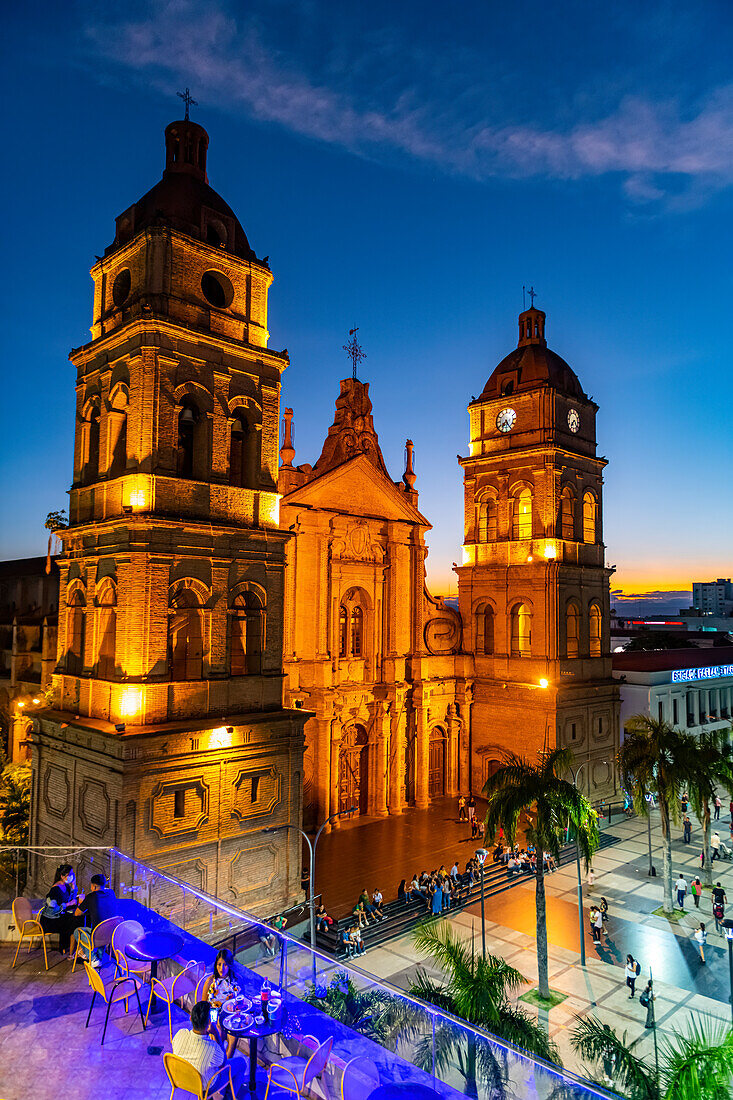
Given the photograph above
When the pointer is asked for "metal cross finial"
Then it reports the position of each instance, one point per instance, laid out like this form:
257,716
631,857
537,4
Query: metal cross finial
532,296
354,351
188,100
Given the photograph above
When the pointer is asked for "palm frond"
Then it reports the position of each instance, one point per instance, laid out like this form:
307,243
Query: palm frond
698,1065
597,1042
519,1028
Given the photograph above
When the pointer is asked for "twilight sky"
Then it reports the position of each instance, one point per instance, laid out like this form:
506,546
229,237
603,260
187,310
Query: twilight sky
407,167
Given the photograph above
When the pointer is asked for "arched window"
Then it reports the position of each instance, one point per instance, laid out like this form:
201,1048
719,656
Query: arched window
247,635
594,629
107,634
91,457
186,639
522,518
188,420
117,432
521,630
76,634
485,630
343,631
243,453
352,638
357,631
590,510
572,620
567,515
486,525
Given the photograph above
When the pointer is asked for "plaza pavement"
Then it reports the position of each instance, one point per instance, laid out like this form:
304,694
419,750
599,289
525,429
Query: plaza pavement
685,989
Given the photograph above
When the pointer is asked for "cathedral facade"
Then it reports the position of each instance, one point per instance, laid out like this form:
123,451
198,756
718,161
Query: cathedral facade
245,644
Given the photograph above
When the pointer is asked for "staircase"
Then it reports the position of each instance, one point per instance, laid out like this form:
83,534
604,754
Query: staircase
400,917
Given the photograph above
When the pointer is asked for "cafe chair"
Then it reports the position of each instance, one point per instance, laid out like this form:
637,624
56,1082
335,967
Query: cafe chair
90,940
123,934
169,989
28,927
359,1079
294,1074
182,1075
109,993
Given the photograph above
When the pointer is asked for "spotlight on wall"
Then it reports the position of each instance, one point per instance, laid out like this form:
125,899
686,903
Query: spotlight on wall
550,550
544,683
120,727
20,703
36,701
230,729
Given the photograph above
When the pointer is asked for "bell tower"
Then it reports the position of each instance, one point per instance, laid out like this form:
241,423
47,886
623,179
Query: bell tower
172,574
533,586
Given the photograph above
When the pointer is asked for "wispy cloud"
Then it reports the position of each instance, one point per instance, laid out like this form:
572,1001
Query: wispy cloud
660,595
658,149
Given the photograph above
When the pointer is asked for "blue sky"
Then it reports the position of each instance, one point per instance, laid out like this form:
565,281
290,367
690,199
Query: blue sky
407,168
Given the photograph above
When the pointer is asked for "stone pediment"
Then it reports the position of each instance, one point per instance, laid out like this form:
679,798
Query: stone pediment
356,488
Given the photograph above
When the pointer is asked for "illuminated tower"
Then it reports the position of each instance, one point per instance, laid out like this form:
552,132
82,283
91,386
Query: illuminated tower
534,587
170,617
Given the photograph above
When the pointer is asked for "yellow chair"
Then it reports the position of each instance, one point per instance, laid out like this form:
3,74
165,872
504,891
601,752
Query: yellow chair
123,934
169,989
107,991
295,1074
90,940
359,1079
182,1075
28,927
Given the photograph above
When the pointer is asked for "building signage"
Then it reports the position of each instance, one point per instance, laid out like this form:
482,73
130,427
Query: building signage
711,672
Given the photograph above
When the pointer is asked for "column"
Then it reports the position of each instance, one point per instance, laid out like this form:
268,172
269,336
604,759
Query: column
464,763
453,779
397,746
379,748
334,777
422,750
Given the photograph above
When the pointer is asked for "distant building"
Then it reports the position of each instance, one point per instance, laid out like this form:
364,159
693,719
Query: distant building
713,597
689,688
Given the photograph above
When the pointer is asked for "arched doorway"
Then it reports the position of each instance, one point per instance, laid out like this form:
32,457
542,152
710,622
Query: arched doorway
436,763
354,770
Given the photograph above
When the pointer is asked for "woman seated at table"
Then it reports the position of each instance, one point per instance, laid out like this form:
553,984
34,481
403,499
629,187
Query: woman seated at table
57,914
219,987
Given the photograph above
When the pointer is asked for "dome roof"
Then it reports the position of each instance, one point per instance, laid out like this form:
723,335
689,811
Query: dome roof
532,364
183,198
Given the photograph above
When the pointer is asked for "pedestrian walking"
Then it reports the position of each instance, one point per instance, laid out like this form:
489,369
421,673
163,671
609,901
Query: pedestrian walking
472,809
719,902
681,888
701,939
604,909
717,807
684,800
730,807
687,830
591,878
598,925
461,808
646,1000
633,970
593,929
715,846
696,891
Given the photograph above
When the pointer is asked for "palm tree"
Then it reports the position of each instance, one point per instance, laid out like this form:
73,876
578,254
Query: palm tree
520,785
372,1013
696,1065
657,759
714,767
476,990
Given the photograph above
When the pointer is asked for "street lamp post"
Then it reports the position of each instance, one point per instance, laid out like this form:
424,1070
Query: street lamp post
312,844
481,854
728,925
581,926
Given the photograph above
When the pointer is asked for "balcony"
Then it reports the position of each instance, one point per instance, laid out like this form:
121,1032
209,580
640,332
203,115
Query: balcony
388,1045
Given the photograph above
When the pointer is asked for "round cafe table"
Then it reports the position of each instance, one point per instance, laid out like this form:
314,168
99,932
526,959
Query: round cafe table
152,947
403,1090
254,1034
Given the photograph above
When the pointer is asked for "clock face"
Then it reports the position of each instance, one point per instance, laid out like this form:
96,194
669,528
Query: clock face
573,420
506,420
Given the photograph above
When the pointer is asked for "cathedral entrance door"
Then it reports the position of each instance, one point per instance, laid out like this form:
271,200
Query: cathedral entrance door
436,764
354,770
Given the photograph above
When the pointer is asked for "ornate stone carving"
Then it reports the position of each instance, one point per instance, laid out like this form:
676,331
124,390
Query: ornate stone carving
268,792
162,805
94,806
443,631
56,790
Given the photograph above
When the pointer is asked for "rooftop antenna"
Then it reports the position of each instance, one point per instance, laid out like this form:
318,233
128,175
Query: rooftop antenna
188,100
354,351
524,291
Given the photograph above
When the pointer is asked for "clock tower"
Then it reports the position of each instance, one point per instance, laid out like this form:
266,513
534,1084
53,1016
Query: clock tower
533,586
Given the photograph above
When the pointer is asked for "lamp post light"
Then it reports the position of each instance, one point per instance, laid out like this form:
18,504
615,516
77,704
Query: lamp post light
650,802
581,926
312,844
728,925
481,854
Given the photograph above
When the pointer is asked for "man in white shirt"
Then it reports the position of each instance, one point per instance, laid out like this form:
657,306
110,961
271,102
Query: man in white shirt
715,845
200,1044
681,888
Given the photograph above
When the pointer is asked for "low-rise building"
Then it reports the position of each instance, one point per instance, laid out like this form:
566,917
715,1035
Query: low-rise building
689,688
